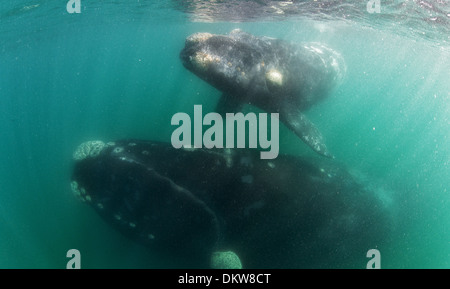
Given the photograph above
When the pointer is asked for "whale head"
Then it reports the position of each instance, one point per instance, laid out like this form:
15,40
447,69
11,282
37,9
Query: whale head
119,180
223,61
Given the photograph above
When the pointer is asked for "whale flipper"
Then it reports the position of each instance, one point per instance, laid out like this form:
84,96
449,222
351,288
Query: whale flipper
304,129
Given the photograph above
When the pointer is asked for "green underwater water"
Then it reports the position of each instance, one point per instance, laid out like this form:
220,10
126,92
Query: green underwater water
111,73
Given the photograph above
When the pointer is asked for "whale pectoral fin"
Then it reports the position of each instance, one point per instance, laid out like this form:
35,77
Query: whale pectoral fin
304,129
228,104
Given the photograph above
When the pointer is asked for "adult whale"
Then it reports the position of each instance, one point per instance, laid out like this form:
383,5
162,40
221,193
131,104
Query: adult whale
271,74
189,203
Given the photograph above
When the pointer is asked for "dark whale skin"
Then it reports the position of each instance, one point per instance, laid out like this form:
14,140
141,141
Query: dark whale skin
289,212
272,74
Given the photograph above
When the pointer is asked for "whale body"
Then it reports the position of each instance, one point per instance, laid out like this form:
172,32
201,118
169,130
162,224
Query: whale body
272,74
288,212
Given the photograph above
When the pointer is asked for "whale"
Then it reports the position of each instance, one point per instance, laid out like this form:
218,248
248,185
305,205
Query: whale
272,74
191,203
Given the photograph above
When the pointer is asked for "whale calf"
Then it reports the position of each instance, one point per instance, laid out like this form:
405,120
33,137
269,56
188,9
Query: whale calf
272,74
287,212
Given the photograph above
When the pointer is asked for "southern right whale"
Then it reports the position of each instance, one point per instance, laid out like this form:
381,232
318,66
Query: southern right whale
274,75
190,203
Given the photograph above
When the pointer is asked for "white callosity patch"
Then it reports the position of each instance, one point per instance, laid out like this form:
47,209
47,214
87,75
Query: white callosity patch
235,31
88,149
274,77
199,37
80,192
329,173
225,260
74,187
123,221
202,60
118,150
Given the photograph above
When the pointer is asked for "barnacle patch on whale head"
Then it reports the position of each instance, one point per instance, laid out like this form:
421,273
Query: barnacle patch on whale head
199,37
201,60
80,192
88,149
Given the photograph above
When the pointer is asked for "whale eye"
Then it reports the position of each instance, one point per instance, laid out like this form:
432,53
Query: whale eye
274,78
